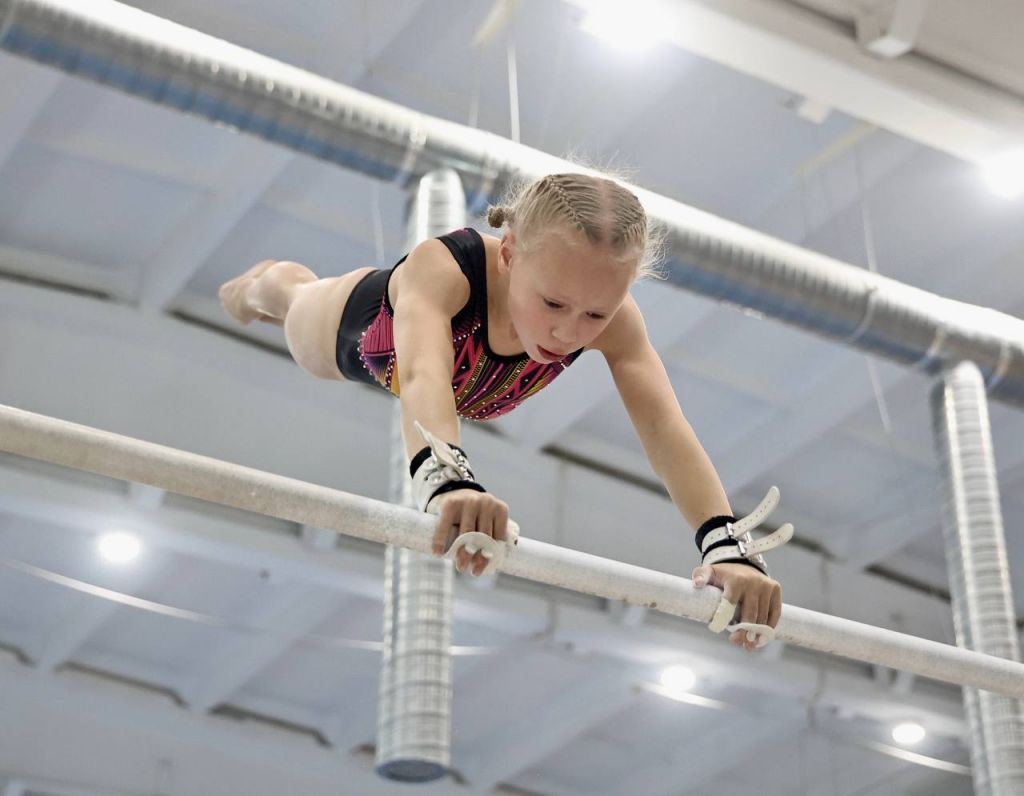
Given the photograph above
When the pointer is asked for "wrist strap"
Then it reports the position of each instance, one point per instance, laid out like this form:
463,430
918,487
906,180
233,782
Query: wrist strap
710,525
439,468
726,540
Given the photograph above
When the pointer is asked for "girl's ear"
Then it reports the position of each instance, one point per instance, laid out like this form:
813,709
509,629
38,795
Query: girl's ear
505,251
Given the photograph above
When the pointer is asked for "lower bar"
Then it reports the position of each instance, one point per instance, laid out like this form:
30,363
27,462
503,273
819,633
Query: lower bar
83,448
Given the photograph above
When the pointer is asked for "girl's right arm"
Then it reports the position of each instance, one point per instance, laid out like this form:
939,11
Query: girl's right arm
431,290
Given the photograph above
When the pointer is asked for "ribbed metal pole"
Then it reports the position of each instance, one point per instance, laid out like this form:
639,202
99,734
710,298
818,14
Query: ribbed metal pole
983,611
146,56
414,712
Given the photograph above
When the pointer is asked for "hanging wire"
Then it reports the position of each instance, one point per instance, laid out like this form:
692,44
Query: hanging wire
474,101
209,620
473,118
378,223
513,89
553,79
871,255
872,260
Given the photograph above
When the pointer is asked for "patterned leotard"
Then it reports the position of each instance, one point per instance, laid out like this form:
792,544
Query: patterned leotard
486,385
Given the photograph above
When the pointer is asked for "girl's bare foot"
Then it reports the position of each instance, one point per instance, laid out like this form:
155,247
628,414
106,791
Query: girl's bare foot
234,296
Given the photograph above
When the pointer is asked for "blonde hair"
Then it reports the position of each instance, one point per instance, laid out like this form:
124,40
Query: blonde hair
600,209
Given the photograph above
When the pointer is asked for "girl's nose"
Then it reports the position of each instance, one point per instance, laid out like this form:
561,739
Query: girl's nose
565,333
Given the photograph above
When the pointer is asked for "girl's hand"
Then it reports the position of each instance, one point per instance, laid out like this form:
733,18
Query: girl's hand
462,511
757,597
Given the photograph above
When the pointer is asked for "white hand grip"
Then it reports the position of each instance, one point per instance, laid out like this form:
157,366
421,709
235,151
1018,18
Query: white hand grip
723,616
490,548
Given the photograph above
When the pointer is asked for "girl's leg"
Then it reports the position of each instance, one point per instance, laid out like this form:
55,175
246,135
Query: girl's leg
290,294
264,292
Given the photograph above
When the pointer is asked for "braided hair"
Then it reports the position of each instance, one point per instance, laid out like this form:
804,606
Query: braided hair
599,209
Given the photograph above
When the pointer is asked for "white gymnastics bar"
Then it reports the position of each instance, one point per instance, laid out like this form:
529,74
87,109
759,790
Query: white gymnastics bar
82,448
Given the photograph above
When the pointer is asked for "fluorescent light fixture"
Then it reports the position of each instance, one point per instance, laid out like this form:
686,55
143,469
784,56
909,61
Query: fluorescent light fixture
678,678
119,547
626,26
908,733
1005,174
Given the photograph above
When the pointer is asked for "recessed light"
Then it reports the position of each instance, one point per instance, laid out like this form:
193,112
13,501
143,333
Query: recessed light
908,733
1005,174
625,26
119,547
678,678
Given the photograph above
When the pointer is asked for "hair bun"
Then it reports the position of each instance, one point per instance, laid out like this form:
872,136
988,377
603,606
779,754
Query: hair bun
497,216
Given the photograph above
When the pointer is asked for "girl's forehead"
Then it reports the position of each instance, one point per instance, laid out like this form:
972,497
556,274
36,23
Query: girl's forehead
582,276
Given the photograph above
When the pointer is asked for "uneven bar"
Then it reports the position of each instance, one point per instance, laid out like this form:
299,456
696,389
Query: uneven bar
83,448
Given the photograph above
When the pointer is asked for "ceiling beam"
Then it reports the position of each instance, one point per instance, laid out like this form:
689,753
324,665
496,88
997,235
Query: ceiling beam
705,756
60,271
37,786
112,738
251,169
240,186
24,92
342,731
809,55
892,34
282,619
521,742
87,616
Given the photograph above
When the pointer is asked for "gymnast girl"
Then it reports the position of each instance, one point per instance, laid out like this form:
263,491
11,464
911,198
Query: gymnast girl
469,325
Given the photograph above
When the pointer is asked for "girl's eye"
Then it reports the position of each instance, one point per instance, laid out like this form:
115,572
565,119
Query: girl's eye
552,304
596,317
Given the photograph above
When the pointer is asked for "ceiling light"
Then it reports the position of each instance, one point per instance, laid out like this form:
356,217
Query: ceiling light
908,733
1005,174
119,547
678,678
625,26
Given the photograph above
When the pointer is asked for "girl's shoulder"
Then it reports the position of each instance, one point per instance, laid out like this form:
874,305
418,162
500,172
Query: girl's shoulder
431,273
624,332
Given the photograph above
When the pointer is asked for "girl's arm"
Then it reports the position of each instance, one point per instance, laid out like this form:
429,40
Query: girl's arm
430,291
672,447
681,462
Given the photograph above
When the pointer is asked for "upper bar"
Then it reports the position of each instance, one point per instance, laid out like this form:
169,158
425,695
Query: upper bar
83,448
150,57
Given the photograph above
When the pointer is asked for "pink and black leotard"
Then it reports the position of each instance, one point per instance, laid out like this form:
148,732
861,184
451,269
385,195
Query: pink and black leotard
486,385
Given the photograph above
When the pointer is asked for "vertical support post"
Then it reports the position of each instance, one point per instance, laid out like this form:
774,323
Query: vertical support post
983,612
414,710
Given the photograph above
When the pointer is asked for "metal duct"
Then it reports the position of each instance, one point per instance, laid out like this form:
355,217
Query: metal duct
172,65
983,611
414,709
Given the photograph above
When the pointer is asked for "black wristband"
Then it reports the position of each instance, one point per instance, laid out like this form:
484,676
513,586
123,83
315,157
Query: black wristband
746,561
709,526
451,486
423,455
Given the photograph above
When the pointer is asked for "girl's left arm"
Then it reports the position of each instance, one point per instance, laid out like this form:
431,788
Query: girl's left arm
681,463
672,447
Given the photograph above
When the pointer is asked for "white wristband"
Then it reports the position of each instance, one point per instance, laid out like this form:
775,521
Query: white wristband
444,465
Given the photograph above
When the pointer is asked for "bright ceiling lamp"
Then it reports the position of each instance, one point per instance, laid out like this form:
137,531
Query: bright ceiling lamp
908,733
626,26
119,547
678,679
1005,174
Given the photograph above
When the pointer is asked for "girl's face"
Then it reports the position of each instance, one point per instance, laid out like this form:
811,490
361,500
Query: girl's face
563,293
